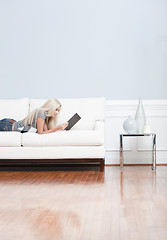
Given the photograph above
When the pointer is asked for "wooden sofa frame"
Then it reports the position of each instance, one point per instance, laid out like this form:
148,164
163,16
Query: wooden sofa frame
48,161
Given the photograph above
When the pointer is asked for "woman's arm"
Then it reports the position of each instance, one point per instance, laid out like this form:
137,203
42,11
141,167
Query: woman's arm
45,127
42,128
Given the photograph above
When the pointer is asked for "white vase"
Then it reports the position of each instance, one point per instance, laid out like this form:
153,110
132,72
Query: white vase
130,125
140,117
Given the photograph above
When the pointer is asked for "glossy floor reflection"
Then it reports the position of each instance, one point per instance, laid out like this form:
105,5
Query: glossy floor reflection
83,205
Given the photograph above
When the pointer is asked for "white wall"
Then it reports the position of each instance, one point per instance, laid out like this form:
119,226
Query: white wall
136,150
83,48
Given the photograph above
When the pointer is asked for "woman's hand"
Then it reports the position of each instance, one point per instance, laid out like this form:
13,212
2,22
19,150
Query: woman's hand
62,126
41,129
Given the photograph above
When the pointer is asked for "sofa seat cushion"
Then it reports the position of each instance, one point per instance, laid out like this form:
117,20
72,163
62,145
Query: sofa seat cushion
64,138
10,139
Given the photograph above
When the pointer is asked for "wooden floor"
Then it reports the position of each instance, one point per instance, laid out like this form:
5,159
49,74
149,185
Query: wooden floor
84,205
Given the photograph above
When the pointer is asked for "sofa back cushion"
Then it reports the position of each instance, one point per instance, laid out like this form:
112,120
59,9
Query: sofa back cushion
14,108
90,110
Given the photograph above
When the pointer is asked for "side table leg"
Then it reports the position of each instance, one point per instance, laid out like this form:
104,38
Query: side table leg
154,153
121,152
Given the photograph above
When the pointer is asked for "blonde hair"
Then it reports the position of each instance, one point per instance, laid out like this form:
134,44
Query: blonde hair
49,108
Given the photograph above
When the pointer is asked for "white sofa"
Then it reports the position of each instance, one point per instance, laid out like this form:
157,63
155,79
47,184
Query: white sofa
84,142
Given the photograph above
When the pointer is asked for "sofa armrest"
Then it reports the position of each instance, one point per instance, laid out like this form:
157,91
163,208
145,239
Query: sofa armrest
99,126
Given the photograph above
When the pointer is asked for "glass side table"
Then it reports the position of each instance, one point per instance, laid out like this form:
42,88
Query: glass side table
153,135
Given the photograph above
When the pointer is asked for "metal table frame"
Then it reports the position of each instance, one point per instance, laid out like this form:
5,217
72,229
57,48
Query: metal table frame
153,135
